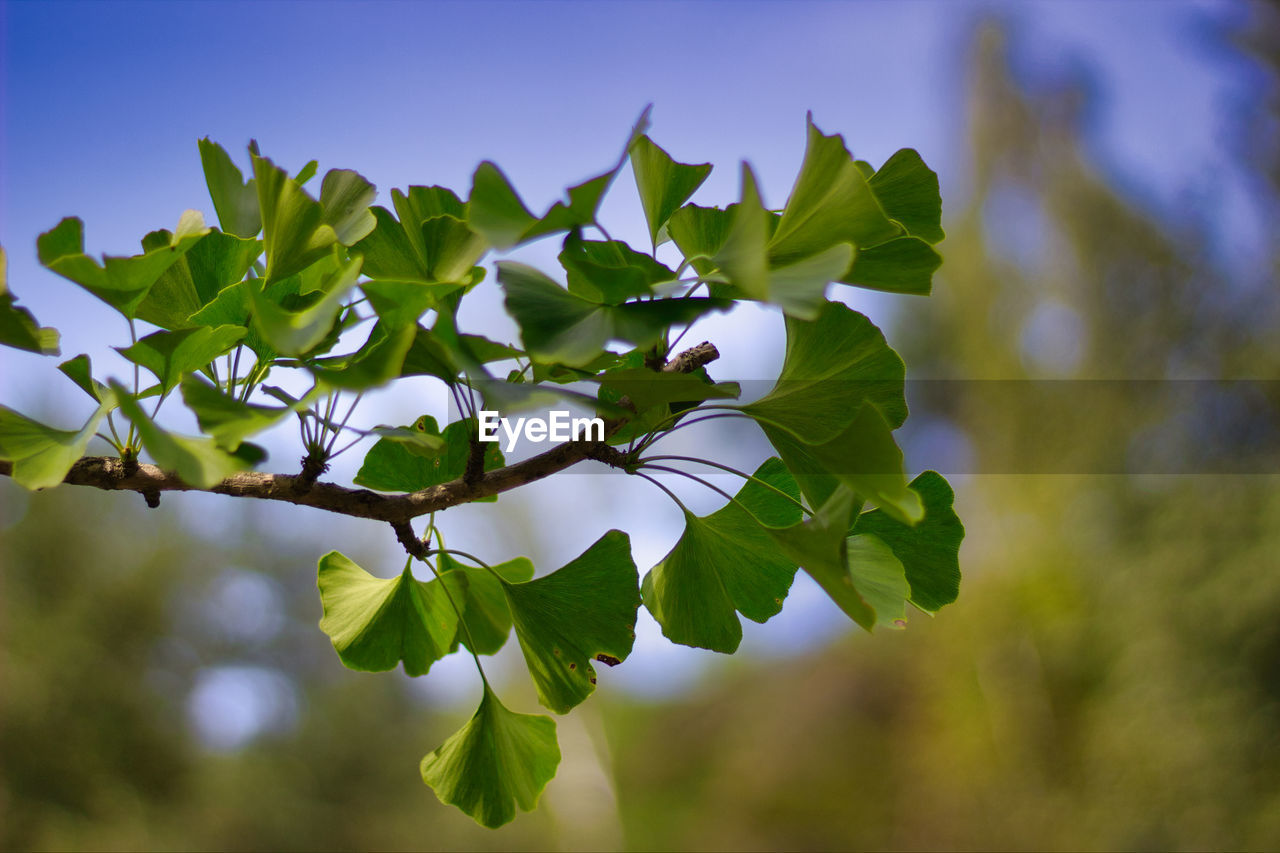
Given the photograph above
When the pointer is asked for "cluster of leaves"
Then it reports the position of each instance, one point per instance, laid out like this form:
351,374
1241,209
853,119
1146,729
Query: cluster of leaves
289,278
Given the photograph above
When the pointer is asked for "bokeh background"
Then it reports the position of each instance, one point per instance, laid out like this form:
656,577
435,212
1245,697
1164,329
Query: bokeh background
1109,678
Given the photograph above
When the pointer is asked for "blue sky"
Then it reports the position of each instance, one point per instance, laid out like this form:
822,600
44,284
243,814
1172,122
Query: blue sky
103,103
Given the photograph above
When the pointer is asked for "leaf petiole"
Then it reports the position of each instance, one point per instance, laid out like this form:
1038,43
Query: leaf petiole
730,470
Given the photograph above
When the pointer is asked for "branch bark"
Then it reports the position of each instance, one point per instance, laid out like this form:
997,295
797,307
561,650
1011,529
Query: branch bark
111,474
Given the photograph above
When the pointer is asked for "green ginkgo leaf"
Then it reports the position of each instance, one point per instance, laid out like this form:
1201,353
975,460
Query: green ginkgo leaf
172,355
345,197
699,232
879,578
402,303
730,246
452,248
228,420
582,612
80,371
830,203
393,465
609,271
499,760
930,550
647,388
907,189
378,361
833,365
862,456
121,282
560,326
18,327
20,330
727,563
416,206
297,332
376,623
818,545
800,288
484,605
42,455
235,201
197,461
742,256
900,265
194,280
296,232
496,211
663,183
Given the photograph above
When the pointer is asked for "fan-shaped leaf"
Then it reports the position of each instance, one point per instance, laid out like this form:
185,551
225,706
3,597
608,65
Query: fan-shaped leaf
609,272
833,365
172,355
121,282
726,563
930,550
228,420
901,265
235,200
376,623
819,546
879,578
663,183
297,332
345,197
398,466
830,203
560,326
569,617
484,605
378,361
195,279
497,761
908,191
42,455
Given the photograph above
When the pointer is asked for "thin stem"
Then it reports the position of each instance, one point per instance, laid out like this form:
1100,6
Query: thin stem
235,371
467,556
751,477
458,399
655,435
331,454
466,630
250,381
670,493
307,441
471,398
686,329
695,478
112,425
133,339
710,486
330,405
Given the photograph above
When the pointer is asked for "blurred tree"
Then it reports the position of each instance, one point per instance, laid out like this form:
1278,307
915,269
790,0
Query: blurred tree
1112,676
108,741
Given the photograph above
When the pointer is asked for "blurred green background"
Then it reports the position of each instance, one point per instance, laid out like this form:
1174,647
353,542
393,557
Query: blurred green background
1109,678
